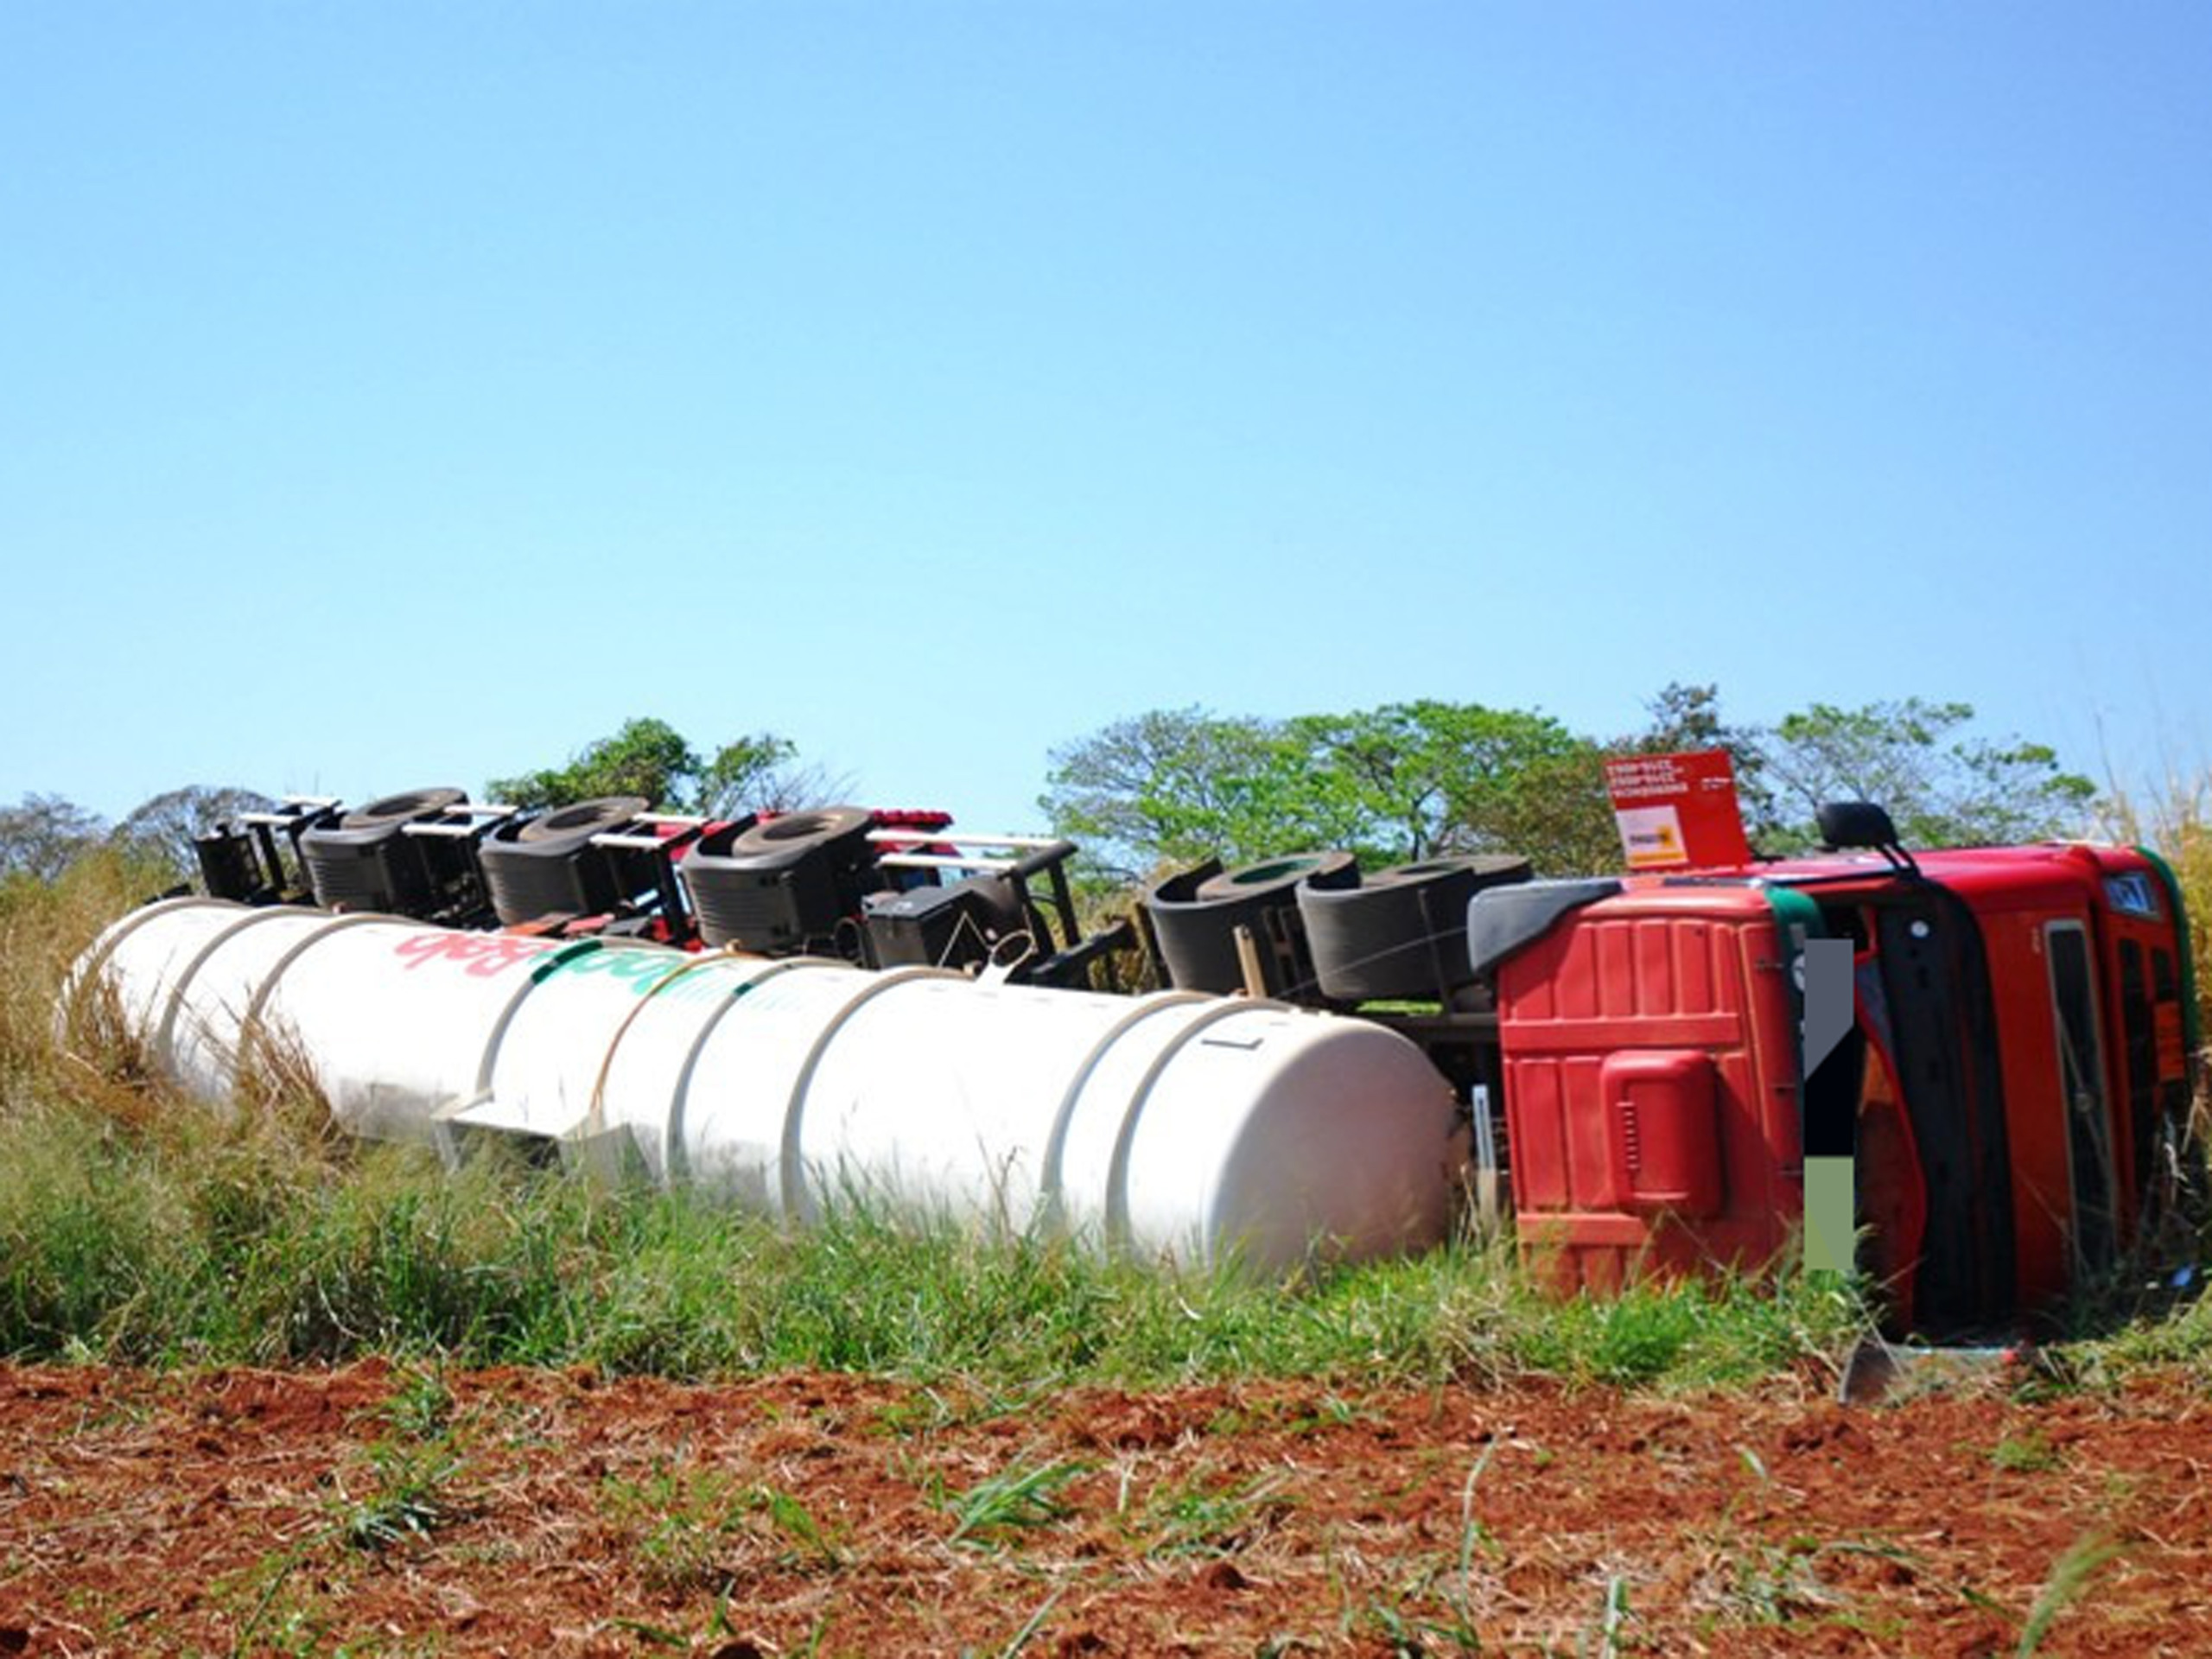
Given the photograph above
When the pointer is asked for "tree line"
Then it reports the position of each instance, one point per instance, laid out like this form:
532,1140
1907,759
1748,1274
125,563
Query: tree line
1420,779
1401,781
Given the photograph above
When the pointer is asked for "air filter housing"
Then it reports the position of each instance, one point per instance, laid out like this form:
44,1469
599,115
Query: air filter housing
361,860
547,866
778,886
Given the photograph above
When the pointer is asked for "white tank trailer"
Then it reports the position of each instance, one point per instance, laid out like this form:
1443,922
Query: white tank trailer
1196,1127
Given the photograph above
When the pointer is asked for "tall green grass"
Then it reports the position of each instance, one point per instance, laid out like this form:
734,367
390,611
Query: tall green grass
2175,1329
218,1244
2177,823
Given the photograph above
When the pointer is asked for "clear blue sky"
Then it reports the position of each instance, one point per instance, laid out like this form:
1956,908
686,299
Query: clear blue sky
395,394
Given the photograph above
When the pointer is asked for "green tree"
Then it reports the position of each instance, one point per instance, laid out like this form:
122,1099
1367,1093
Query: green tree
646,756
1419,779
1172,786
1415,779
754,773
1559,815
163,827
1941,786
1684,717
41,834
650,758
1404,780
1558,811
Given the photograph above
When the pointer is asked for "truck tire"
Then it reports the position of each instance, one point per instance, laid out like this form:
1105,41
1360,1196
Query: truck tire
1195,916
401,808
795,835
583,820
1402,933
785,885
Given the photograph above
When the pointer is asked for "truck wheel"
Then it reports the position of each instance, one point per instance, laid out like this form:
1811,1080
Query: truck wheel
1403,932
794,833
584,819
399,809
1195,917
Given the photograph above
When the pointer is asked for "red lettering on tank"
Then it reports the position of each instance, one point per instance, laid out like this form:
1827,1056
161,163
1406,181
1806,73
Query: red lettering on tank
479,955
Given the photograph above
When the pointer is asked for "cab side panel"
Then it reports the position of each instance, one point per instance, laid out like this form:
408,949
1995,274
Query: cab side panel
1650,1088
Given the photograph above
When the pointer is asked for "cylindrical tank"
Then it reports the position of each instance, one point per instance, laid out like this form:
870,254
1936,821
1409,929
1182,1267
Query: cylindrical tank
1197,1127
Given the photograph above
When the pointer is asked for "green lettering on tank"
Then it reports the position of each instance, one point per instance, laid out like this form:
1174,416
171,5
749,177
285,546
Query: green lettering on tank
644,971
559,961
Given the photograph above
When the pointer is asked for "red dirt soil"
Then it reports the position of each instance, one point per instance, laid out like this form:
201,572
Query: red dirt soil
543,1514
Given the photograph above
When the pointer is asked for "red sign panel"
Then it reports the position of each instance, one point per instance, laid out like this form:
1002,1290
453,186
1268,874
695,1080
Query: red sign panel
1677,811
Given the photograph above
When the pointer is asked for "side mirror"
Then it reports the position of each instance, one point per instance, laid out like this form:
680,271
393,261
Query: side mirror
1845,825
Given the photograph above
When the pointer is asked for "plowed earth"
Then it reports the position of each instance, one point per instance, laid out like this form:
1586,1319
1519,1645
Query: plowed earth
369,1510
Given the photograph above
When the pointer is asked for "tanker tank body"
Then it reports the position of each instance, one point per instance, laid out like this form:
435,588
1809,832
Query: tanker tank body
1182,1125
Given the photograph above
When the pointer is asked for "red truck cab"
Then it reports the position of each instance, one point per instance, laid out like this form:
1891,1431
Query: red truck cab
2017,1073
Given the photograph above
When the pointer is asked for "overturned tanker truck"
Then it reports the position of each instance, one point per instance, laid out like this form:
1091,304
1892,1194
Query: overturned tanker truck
795,1008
